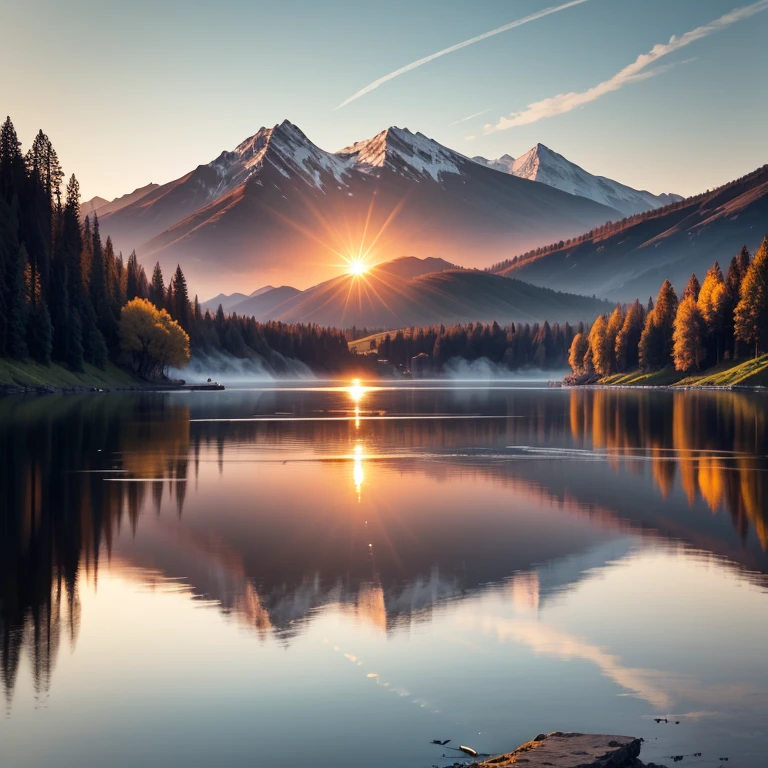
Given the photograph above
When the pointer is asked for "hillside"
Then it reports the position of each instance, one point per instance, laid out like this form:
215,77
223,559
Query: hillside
633,257
380,299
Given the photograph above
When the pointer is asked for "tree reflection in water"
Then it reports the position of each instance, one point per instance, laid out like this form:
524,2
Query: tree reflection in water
73,469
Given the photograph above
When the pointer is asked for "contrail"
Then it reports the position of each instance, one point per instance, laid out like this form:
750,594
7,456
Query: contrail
408,67
635,72
464,119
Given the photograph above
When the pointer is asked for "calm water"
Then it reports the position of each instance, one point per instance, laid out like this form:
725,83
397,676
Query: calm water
336,576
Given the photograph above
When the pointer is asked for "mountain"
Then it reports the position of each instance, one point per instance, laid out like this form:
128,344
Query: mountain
102,207
261,290
504,163
632,258
227,301
280,207
407,267
547,167
262,305
386,297
87,208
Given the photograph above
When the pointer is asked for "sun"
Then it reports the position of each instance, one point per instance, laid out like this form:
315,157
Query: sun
357,267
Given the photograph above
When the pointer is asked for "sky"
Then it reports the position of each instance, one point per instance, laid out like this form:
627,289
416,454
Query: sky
139,92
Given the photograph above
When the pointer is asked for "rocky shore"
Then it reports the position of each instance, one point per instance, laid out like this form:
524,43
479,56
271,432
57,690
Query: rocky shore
573,750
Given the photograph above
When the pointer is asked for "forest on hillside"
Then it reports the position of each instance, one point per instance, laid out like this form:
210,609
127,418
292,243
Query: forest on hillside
724,318
63,290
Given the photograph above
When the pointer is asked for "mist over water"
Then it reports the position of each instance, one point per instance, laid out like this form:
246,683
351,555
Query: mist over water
227,369
483,369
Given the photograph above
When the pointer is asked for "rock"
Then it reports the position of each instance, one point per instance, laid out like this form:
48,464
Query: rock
572,750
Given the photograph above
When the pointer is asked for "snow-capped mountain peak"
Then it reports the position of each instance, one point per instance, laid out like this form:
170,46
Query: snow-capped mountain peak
406,153
286,148
542,164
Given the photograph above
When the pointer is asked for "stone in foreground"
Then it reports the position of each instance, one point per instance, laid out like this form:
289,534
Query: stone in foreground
573,750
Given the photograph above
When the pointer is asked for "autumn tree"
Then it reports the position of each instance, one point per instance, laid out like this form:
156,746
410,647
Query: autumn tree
628,338
751,318
152,338
688,335
612,330
714,304
577,352
693,288
601,353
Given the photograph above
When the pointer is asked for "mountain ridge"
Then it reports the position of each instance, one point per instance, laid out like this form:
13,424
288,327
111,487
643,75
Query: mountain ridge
278,206
631,258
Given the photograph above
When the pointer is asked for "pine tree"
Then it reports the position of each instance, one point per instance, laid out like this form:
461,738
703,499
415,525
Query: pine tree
157,288
180,303
665,312
651,348
132,278
688,335
693,288
752,310
12,176
714,304
615,323
68,339
628,339
17,327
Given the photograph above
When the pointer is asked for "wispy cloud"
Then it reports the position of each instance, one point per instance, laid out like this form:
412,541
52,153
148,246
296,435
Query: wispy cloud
469,117
408,67
633,73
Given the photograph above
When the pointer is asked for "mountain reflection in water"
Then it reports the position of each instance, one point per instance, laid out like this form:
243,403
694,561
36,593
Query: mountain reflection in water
388,504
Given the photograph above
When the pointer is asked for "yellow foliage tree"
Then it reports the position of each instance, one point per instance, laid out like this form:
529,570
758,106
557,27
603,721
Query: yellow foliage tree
152,338
687,336
577,352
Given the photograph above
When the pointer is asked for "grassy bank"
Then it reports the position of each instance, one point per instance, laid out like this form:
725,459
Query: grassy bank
15,373
750,373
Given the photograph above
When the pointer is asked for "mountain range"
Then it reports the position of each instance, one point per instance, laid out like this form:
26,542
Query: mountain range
548,167
410,291
280,208
632,258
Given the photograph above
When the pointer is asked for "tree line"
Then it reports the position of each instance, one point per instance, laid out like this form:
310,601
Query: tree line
723,318
516,347
64,292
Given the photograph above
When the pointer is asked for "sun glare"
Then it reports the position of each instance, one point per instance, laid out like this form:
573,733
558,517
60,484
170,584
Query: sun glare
357,267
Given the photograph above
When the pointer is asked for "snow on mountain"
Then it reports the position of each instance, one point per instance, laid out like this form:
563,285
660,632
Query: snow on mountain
277,205
406,153
548,167
503,163
283,147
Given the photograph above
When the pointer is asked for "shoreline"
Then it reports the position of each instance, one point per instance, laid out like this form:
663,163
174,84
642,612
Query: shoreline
30,378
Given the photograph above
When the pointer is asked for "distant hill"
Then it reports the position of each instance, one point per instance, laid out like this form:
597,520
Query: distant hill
227,301
548,167
262,305
384,298
102,207
631,258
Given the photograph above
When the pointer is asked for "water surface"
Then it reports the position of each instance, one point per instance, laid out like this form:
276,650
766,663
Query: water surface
336,575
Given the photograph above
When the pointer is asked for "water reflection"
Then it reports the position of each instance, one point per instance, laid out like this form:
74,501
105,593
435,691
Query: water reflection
273,505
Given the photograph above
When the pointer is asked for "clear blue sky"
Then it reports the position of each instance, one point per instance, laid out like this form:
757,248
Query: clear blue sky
132,92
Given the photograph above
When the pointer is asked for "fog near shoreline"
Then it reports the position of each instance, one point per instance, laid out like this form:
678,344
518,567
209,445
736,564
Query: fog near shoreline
227,369
458,369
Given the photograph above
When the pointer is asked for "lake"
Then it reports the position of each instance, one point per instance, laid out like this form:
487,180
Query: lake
334,575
